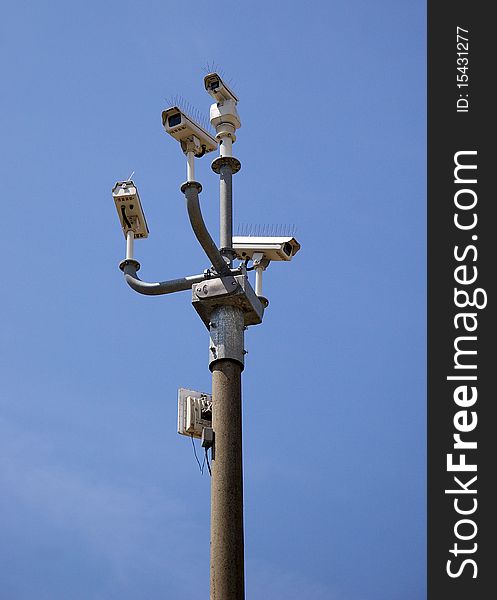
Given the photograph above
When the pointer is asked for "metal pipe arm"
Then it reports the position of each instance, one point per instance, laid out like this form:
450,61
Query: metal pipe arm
191,190
130,267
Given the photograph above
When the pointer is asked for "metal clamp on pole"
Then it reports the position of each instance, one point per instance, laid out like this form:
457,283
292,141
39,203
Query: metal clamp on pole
209,295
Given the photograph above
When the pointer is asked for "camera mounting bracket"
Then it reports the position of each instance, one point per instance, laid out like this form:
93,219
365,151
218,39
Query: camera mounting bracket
210,294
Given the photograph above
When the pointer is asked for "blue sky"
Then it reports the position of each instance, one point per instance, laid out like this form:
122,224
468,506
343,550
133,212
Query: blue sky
101,498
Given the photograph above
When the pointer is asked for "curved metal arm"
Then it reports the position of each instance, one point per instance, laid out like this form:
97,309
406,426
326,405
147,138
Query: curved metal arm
130,267
191,190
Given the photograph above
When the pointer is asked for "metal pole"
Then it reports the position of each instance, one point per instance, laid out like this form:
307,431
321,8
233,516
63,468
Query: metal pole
258,280
190,166
226,364
130,238
226,212
225,147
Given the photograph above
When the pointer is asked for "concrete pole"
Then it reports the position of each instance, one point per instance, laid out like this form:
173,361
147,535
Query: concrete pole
227,555
226,363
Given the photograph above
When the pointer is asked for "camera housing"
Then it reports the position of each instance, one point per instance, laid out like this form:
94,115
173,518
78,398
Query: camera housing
216,87
272,248
189,134
224,115
129,209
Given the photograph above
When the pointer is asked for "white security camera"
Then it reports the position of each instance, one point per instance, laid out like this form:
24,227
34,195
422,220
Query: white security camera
224,115
129,209
272,248
216,87
191,136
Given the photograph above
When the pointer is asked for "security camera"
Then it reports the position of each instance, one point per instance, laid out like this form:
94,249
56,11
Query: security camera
216,87
224,115
191,136
272,248
129,209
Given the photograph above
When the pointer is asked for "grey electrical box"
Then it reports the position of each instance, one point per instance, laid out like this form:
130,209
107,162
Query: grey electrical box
207,437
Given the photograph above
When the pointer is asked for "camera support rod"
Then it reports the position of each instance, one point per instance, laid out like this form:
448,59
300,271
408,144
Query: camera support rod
258,280
191,189
130,239
190,166
130,266
226,213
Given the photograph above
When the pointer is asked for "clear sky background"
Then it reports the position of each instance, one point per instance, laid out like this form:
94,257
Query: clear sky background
99,496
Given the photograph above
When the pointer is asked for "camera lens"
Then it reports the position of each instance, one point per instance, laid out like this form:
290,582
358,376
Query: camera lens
174,120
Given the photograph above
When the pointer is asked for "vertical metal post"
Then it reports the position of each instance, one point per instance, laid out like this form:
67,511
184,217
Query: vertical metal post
226,363
227,547
190,166
130,238
258,280
226,212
